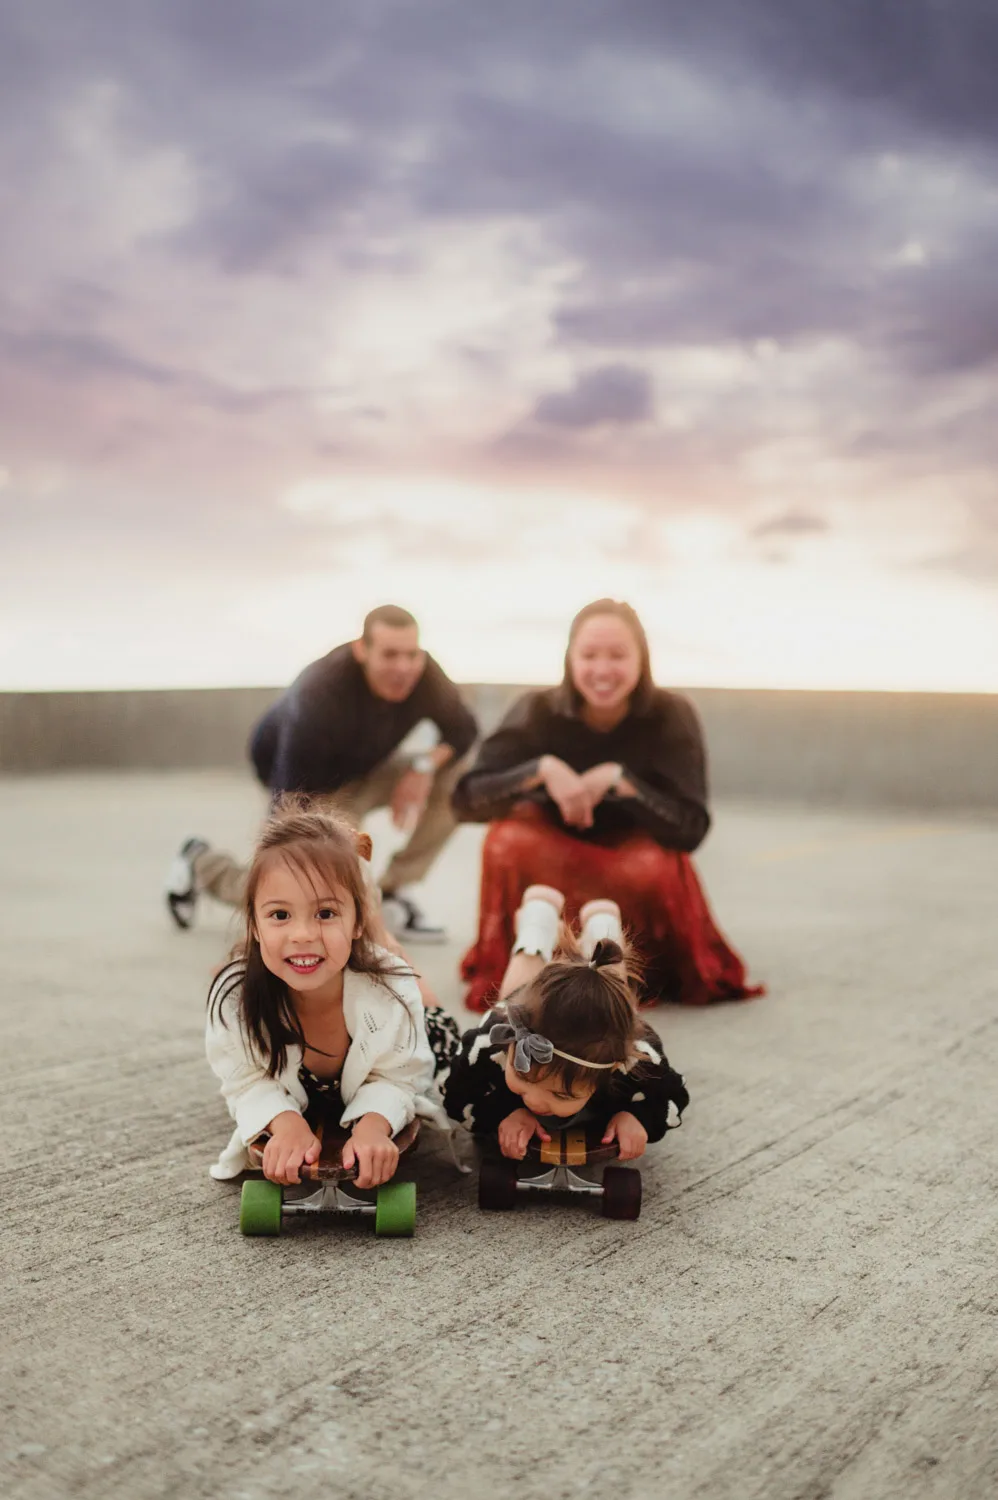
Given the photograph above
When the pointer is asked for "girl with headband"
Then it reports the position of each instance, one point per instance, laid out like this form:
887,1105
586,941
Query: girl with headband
565,1044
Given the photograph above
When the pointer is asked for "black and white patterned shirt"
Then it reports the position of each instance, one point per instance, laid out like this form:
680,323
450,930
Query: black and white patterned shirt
476,1091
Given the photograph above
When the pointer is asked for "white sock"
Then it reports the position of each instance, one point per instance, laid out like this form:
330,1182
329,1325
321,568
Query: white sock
602,924
537,925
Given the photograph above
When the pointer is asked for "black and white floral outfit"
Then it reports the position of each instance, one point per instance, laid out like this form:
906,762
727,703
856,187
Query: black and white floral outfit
476,1091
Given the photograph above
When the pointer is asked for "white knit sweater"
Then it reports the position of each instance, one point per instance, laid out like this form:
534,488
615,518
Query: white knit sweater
388,1069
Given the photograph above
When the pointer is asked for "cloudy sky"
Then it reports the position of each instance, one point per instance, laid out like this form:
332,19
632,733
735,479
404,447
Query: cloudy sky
490,310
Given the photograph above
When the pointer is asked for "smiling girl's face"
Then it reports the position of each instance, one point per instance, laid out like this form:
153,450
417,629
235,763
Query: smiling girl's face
305,930
548,1096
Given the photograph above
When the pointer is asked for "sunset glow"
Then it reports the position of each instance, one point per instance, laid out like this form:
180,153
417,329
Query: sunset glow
283,337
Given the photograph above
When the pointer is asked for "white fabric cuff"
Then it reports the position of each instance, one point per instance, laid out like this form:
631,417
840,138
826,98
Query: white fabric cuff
602,924
258,1106
537,929
379,1098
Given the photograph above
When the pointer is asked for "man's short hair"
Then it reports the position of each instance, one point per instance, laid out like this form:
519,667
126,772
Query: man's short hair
391,615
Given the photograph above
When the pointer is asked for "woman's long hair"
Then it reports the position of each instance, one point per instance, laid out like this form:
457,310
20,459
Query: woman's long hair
644,690
326,852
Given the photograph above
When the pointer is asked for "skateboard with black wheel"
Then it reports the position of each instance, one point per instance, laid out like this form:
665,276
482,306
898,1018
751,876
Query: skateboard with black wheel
550,1167
265,1205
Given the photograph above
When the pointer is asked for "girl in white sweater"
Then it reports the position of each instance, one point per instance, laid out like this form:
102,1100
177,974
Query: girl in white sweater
312,1004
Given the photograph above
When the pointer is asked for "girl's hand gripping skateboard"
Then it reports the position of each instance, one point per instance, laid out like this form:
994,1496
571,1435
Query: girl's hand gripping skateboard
369,1154
292,1145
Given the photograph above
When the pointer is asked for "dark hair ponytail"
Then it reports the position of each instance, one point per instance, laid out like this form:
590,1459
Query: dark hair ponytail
586,1007
605,953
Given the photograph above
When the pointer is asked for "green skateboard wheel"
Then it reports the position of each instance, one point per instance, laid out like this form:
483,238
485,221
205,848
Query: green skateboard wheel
396,1209
260,1208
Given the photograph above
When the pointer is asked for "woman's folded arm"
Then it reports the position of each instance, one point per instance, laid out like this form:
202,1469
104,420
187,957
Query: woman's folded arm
481,796
676,821
505,768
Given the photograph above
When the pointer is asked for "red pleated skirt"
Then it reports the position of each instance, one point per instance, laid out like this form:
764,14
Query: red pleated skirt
685,957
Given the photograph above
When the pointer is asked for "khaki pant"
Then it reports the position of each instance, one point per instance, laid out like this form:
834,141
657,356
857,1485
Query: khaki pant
219,875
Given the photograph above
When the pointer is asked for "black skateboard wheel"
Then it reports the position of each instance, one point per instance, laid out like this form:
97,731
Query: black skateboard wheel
621,1193
497,1183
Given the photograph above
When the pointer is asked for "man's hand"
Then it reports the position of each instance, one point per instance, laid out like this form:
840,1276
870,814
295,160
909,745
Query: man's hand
599,779
629,1133
409,797
517,1131
372,1148
567,791
291,1143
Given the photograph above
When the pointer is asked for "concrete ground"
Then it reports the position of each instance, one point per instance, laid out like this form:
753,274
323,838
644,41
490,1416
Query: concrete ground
806,1307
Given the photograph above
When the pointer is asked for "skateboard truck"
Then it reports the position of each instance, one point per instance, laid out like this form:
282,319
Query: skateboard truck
264,1205
559,1179
328,1199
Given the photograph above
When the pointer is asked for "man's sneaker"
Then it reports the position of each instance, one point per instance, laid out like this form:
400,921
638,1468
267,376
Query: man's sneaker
181,892
407,922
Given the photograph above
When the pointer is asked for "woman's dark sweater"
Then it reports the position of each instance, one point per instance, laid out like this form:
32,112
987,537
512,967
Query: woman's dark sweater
660,746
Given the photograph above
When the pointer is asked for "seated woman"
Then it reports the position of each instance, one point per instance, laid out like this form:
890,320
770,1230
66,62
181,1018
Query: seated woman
599,789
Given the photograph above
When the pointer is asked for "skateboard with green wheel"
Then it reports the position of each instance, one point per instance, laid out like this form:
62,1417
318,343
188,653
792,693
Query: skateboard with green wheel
550,1167
265,1205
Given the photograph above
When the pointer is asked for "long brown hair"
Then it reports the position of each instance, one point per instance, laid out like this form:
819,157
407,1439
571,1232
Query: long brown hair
644,690
586,1007
315,844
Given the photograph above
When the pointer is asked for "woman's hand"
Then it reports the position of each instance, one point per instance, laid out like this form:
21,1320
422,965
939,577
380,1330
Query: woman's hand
629,1133
599,779
291,1143
372,1148
567,791
517,1131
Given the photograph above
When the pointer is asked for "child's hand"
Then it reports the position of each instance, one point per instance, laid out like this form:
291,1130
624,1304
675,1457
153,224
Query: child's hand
517,1131
629,1133
291,1143
372,1148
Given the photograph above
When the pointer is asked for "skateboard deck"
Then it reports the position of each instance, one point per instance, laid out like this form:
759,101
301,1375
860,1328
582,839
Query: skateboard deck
579,1146
328,1165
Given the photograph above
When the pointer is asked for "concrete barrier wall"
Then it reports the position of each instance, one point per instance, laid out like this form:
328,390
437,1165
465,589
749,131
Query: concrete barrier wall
919,750
154,730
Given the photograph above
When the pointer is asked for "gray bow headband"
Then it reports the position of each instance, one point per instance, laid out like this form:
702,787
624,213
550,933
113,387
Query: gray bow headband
530,1048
